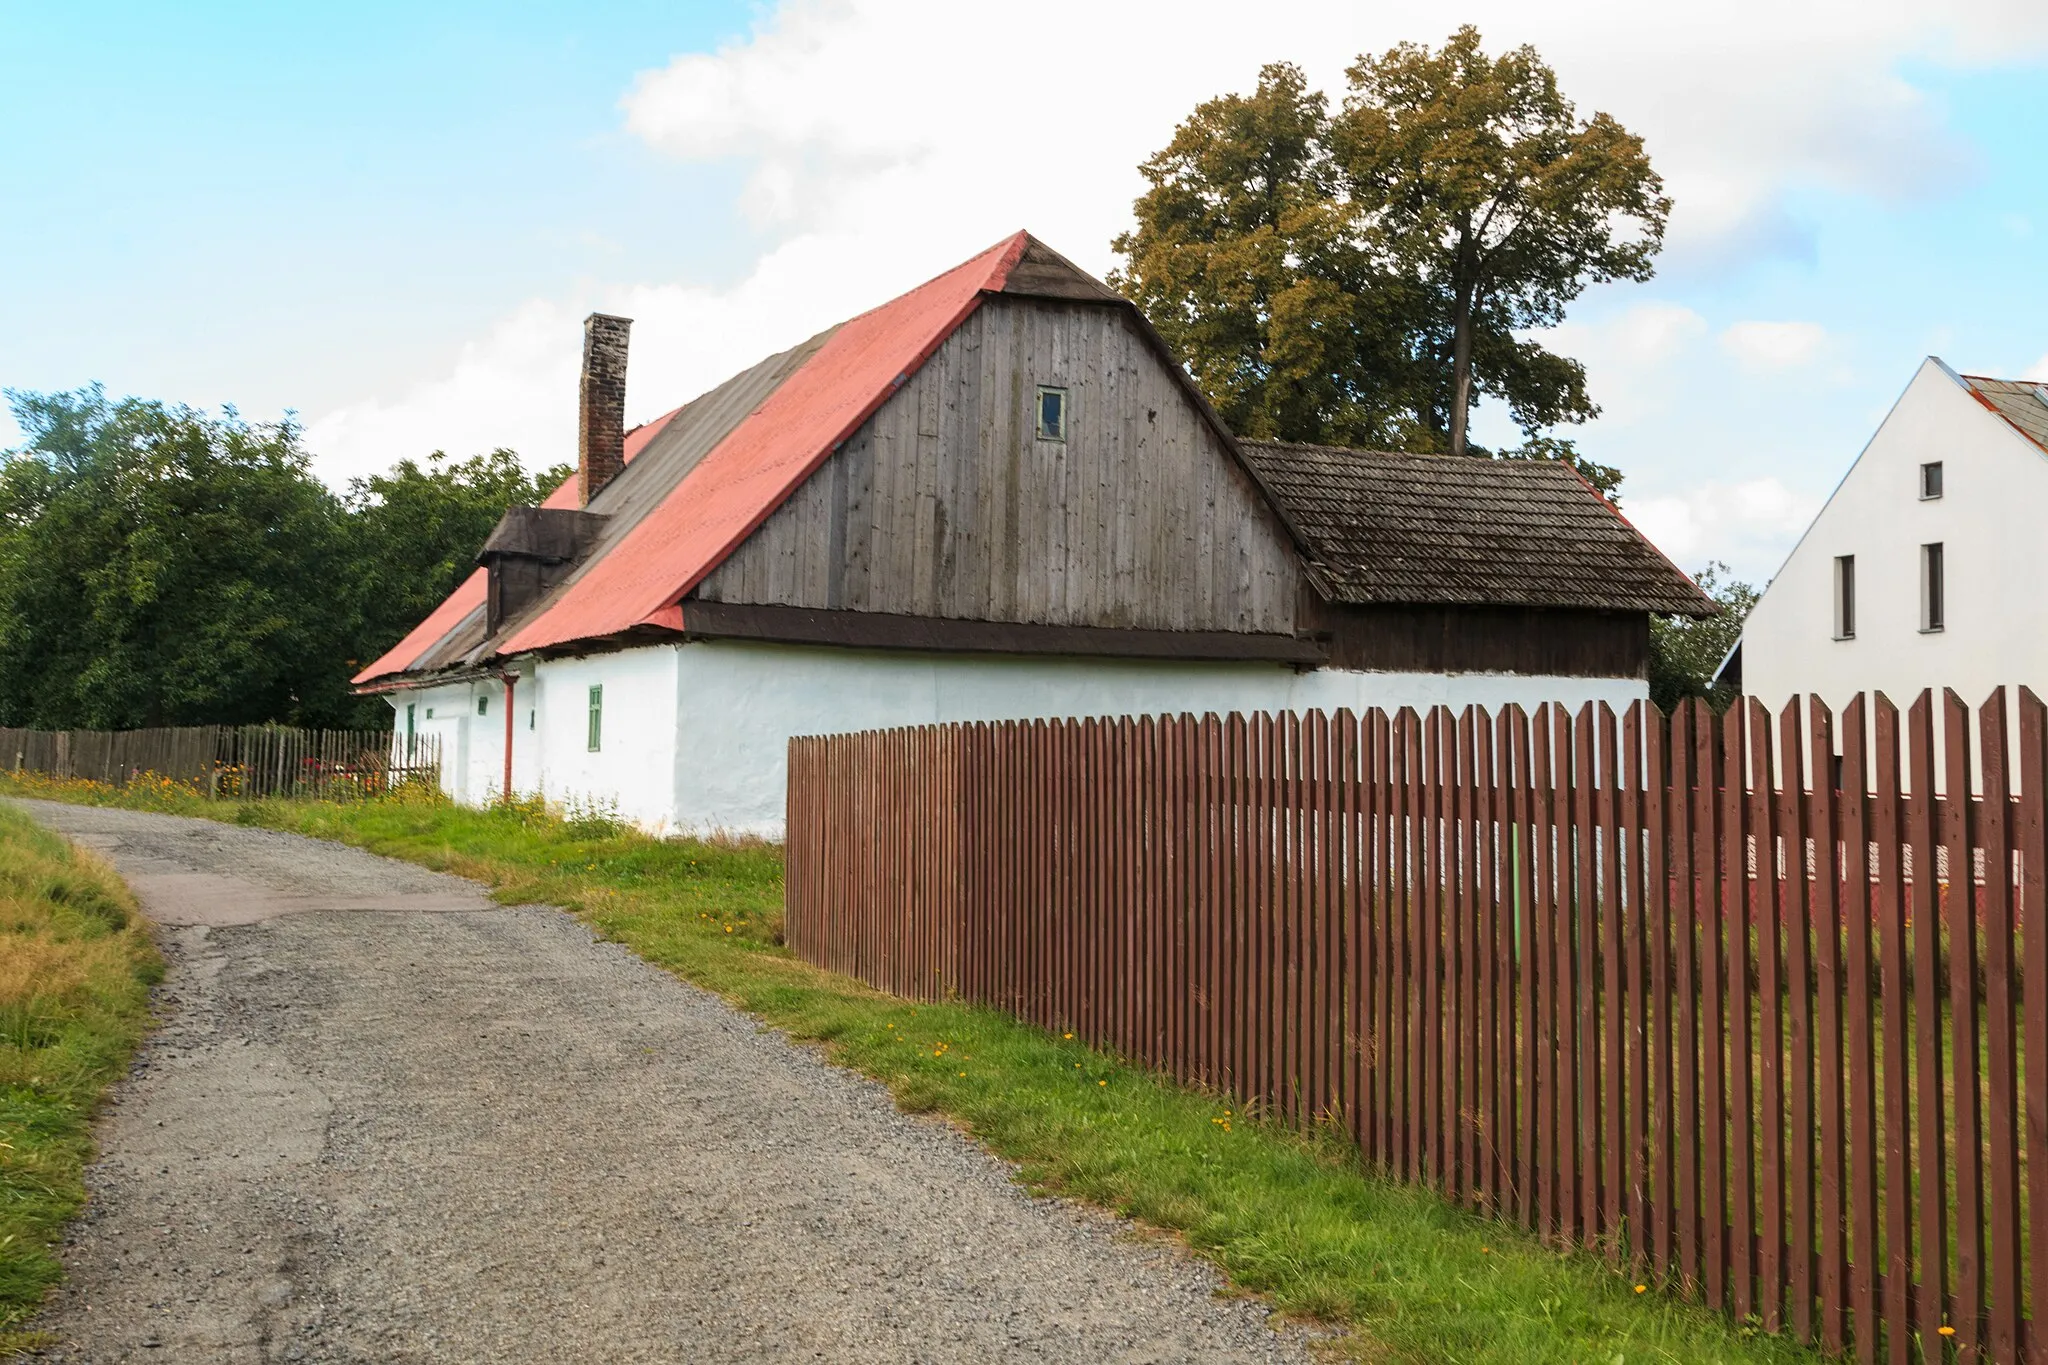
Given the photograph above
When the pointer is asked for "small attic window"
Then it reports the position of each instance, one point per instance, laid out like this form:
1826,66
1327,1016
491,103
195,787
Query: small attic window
1930,480
1052,413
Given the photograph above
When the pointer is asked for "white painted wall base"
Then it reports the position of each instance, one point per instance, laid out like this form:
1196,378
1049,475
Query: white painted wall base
695,737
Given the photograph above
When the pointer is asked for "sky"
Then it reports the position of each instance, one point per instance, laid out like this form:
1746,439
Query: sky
390,219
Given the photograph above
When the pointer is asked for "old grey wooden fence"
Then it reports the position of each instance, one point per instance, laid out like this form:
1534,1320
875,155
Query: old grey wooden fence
245,761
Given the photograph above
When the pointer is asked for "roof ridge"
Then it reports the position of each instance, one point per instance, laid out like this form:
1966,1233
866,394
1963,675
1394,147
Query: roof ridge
754,468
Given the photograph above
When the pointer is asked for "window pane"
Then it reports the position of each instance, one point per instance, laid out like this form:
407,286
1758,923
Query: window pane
1845,597
1052,414
596,717
1933,590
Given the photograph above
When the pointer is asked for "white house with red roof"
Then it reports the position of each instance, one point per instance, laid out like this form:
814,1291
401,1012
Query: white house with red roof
1928,565
998,496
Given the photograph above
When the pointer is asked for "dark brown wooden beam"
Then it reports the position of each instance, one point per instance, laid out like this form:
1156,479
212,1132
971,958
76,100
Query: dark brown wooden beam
1532,641
876,630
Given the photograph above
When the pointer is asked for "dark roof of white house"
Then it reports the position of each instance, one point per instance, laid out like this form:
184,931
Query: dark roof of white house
2022,402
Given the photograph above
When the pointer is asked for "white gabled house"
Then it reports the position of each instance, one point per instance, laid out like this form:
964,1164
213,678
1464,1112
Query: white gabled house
996,497
1928,566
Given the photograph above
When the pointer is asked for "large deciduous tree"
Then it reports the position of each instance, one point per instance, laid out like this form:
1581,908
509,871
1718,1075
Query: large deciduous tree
161,566
1246,260
1474,176
1453,204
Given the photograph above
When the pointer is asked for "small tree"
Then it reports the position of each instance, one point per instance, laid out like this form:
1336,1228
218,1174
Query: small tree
1686,652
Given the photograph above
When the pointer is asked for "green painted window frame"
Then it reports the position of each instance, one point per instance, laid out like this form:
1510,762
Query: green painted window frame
596,734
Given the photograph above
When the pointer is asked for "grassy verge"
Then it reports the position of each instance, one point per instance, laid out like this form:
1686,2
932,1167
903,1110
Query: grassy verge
1290,1217
75,972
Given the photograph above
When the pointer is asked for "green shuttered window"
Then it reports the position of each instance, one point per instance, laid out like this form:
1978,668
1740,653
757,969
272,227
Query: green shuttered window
596,717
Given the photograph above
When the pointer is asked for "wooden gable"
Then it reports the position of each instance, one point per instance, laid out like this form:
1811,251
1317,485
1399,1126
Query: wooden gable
945,504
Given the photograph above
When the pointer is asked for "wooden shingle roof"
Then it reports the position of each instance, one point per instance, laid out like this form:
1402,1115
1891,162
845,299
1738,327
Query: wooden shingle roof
1452,530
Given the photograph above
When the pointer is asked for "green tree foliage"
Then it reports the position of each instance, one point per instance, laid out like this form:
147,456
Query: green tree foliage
1474,176
1246,260
415,531
1685,654
162,566
1364,277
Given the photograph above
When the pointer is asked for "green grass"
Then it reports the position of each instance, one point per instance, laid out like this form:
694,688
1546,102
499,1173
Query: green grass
75,971
1293,1218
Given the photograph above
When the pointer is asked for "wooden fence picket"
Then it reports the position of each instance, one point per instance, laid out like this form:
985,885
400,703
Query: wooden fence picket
1695,990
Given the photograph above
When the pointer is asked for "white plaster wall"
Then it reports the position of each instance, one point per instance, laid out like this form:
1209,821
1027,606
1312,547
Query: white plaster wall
635,765
526,746
448,713
1992,520
738,705
696,736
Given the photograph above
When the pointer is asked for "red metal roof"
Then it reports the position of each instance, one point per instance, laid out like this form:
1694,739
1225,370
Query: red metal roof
750,473
739,482
470,594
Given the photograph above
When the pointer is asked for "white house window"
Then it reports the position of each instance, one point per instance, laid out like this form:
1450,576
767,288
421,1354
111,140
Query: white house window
412,719
1933,588
1845,597
430,713
596,717
1052,413
483,704
1930,480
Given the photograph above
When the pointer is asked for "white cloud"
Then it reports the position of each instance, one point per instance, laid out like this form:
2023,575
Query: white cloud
1751,525
506,390
1774,346
885,140
1635,359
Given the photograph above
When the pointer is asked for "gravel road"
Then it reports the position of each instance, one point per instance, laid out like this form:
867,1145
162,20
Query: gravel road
388,1121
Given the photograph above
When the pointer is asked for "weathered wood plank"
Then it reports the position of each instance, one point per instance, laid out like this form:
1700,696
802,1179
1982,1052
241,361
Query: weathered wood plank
946,504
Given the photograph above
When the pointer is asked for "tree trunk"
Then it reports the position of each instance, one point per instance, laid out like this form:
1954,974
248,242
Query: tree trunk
1461,347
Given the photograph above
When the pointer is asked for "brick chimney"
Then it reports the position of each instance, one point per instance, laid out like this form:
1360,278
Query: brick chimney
601,411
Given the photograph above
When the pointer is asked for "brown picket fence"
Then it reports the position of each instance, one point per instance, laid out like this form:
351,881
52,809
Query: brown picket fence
246,761
1641,984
